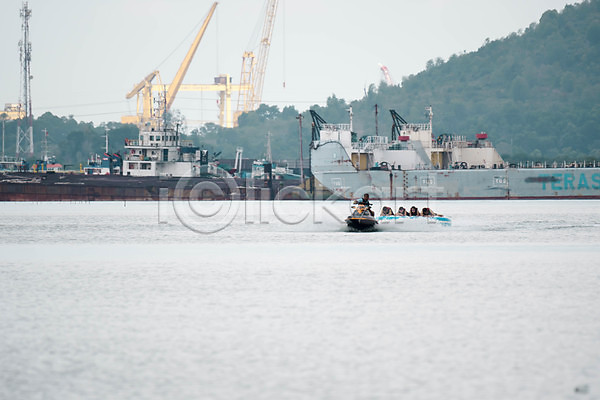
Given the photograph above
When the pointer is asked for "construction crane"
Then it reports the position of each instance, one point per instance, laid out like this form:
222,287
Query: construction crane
386,74
143,108
253,67
170,91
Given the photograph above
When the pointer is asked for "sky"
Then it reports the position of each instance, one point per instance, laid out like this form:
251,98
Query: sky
87,55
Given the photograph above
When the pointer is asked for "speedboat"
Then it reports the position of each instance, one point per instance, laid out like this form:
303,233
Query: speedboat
361,218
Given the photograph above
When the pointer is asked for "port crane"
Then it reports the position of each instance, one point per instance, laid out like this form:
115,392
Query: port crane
153,115
143,109
222,84
250,87
254,67
252,76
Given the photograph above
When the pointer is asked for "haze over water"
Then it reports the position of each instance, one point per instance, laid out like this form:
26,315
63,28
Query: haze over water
122,300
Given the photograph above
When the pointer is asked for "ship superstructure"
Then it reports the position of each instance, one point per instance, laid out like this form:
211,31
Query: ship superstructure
412,146
162,153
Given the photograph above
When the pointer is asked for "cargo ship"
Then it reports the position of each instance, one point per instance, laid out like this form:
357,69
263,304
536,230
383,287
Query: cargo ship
414,164
156,166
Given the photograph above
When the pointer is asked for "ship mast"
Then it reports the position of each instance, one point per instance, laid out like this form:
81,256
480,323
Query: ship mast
351,114
45,154
430,115
269,155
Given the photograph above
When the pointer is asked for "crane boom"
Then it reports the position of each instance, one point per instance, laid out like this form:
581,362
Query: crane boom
254,68
145,86
145,82
174,87
263,53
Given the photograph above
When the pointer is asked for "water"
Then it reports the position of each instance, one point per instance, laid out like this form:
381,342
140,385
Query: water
122,300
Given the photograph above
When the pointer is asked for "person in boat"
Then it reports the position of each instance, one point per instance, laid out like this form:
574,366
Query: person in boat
427,212
414,212
387,211
402,212
365,202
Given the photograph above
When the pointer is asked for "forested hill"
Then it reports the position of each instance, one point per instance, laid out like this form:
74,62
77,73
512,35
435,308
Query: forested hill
535,92
539,89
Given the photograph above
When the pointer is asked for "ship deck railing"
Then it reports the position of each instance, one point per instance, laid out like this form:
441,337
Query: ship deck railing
160,143
335,127
370,143
138,157
366,147
415,127
457,144
555,164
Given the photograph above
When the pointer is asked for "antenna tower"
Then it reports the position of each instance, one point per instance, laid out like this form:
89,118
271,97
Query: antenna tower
25,137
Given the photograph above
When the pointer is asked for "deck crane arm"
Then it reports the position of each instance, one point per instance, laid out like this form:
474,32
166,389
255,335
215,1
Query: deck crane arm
317,125
175,85
398,122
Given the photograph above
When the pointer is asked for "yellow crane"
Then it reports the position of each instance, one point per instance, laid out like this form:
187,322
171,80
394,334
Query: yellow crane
155,115
254,68
143,109
223,85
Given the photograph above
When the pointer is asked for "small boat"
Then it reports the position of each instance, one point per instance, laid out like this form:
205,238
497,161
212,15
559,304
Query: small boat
361,218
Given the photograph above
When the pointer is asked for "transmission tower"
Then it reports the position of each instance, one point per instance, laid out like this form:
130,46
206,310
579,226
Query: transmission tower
25,136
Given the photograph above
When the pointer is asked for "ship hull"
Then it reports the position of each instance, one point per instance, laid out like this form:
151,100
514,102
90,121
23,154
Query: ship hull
77,187
546,183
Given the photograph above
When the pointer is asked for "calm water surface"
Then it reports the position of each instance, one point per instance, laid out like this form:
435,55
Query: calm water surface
137,300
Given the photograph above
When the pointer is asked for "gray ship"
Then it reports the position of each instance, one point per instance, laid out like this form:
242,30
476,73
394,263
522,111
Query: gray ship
413,164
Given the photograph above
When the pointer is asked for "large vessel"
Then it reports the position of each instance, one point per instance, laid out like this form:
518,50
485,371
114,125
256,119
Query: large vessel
413,164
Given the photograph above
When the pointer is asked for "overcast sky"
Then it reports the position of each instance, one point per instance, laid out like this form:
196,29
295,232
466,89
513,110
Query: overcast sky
86,55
